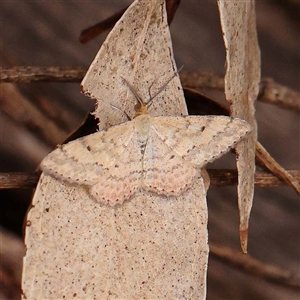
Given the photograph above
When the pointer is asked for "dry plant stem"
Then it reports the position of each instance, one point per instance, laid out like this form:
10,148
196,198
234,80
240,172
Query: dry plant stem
202,80
42,74
19,180
263,179
95,30
92,32
270,91
274,93
254,267
267,160
24,111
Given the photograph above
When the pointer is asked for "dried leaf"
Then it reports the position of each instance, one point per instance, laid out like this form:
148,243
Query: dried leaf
241,90
95,30
149,246
137,250
139,50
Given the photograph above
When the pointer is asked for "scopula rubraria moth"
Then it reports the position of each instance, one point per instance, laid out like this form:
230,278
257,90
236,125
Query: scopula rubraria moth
155,154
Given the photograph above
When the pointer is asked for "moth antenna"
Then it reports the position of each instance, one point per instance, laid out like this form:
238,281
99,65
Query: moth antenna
141,107
149,89
133,91
122,111
149,103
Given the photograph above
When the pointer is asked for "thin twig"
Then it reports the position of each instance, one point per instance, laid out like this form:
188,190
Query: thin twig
202,80
43,121
270,91
95,30
44,74
254,267
274,93
268,161
18,180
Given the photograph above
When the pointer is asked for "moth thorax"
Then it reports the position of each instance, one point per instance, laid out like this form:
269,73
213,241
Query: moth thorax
141,109
142,123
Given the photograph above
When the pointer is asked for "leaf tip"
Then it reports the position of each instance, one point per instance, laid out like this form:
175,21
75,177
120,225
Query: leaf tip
244,239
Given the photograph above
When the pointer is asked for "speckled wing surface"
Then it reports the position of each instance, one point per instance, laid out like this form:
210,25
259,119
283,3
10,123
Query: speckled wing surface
158,154
200,139
178,145
102,161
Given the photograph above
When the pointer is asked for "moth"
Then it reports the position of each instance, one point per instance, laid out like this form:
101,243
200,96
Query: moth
155,154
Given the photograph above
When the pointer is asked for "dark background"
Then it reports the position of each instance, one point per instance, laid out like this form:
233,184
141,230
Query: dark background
45,33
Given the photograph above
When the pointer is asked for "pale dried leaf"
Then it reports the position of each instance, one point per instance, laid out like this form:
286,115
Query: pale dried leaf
138,49
147,247
241,90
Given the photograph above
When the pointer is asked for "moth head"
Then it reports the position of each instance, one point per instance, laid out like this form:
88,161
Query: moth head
141,107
